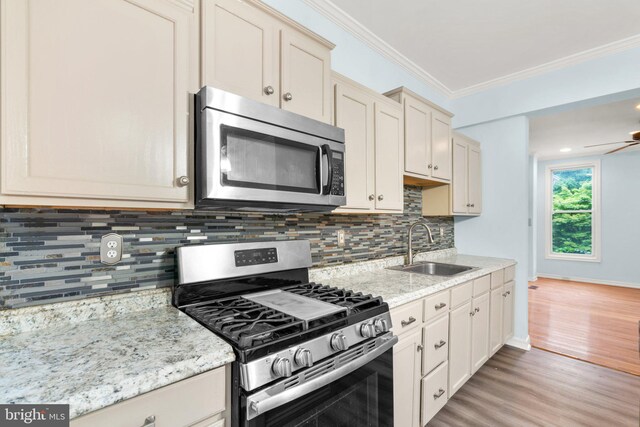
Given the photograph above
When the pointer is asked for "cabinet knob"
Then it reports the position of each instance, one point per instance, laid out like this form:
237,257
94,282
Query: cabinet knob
473,205
150,421
287,96
269,90
468,205
419,348
477,309
435,167
430,166
472,314
381,197
183,180
371,197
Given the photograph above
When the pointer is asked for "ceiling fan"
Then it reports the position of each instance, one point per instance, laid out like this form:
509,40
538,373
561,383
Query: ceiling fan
635,140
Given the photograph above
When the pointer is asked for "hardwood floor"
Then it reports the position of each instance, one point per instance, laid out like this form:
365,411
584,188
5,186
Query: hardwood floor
539,388
596,323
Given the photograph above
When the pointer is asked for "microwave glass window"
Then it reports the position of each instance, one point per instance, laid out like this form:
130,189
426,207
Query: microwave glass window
254,160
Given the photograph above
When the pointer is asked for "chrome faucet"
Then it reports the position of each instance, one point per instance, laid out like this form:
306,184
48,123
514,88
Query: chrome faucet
411,227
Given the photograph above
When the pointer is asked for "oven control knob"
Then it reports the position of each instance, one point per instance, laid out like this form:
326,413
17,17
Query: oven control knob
368,330
303,357
381,325
281,367
339,342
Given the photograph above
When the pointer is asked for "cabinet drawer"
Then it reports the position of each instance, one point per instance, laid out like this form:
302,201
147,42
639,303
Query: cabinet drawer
434,392
436,305
179,404
461,294
406,317
436,344
497,279
481,285
509,273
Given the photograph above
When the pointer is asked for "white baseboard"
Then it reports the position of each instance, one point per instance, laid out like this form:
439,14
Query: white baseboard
522,344
533,279
586,280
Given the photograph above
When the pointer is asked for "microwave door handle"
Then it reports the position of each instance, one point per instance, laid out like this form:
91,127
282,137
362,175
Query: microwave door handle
326,150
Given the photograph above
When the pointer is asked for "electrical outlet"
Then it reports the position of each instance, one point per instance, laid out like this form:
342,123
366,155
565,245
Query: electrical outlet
441,231
341,235
110,248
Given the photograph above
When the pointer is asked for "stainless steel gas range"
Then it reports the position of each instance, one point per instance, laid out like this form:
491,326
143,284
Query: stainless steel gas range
307,354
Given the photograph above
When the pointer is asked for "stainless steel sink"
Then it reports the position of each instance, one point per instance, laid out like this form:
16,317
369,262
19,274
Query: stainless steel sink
433,268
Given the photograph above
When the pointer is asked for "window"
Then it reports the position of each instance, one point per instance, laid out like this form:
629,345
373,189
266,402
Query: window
573,212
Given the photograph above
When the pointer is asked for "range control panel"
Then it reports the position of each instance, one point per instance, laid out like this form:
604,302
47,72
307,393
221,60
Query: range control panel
337,183
256,256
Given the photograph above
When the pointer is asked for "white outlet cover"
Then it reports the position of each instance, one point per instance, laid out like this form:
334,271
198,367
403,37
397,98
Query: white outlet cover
111,248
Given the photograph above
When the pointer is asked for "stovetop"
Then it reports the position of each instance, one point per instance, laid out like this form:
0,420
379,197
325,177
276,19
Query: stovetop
273,319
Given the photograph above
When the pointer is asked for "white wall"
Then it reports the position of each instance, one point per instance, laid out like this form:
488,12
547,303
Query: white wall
501,230
353,58
533,218
620,201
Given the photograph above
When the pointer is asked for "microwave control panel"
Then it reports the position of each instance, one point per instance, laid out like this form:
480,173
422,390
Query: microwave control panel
337,183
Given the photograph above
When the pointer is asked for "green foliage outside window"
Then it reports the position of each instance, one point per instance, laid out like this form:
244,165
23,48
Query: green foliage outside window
572,215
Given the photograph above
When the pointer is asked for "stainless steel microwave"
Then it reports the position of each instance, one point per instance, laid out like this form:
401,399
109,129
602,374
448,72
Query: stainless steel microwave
253,156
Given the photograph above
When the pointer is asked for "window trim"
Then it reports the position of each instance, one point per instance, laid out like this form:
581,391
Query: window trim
595,209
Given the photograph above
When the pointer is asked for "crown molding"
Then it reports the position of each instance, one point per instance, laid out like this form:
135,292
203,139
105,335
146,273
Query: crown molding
558,64
339,17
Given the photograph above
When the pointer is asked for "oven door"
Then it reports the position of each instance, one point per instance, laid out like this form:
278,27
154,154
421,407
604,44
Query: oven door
245,160
357,394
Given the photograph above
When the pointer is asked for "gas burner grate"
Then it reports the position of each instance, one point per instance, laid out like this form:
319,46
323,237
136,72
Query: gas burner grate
353,301
245,322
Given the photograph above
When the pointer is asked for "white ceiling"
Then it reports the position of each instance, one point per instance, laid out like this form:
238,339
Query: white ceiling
585,126
464,43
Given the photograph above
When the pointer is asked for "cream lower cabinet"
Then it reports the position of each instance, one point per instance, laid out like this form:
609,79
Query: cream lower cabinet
502,308
407,361
459,347
507,315
251,50
198,401
373,148
96,102
495,328
480,332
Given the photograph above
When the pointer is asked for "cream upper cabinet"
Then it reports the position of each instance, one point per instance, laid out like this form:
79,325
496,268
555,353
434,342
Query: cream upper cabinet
406,379
467,172
96,102
427,138
389,156
464,195
251,50
373,148
241,50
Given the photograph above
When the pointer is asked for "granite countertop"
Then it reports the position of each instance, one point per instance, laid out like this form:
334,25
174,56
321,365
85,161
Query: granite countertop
397,287
98,362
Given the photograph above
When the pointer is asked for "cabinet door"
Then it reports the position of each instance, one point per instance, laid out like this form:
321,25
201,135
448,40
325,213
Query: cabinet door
441,146
507,325
96,99
417,139
240,51
436,346
459,347
354,113
495,320
305,76
480,332
389,156
475,180
460,177
406,379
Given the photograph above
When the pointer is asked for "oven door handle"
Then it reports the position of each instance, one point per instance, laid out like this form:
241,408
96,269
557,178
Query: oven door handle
265,400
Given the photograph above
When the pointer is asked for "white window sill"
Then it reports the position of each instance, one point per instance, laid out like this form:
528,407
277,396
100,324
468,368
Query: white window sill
583,258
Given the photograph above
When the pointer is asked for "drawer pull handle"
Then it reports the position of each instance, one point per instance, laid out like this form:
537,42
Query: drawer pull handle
472,314
408,322
150,421
439,306
440,344
508,292
505,294
438,394
477,309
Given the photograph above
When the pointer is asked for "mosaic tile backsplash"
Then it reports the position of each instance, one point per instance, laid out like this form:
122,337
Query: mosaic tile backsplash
52,255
